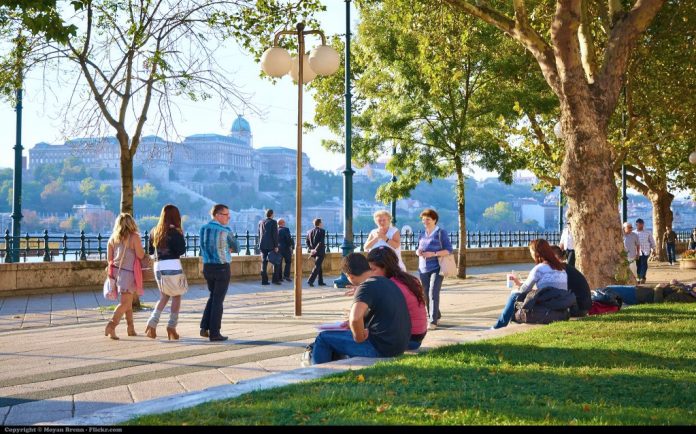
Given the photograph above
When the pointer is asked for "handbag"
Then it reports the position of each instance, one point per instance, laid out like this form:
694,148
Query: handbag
110,290
171,282
448,266
274,257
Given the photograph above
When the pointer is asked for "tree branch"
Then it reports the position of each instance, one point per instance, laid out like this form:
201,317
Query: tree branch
587,48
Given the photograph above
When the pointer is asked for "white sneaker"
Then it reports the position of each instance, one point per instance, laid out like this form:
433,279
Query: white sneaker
306,359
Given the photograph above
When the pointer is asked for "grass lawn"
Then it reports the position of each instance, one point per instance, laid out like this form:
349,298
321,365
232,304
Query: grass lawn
634,367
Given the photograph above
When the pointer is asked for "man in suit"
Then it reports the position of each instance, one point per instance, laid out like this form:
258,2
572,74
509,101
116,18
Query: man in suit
268,242
317,250
286,245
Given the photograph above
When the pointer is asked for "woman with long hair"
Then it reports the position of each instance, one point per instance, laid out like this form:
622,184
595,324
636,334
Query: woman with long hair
123,249
384,262
549,272
168,242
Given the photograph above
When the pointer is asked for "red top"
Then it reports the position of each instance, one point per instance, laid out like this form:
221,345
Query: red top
419,317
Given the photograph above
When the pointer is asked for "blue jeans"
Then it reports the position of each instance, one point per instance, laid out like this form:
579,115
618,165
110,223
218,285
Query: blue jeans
642,266
508,311
432,283
340,343
671,252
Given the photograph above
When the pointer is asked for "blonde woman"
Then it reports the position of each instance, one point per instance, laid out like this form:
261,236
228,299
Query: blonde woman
123,249
168,239
385,235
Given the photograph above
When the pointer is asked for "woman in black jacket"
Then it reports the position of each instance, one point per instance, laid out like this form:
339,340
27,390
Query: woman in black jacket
168,239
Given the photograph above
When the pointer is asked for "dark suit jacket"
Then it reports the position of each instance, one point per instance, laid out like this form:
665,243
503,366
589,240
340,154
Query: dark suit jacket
268,234
315,240
285,240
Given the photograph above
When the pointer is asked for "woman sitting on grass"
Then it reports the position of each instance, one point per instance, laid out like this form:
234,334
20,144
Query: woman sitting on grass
384,262
548,272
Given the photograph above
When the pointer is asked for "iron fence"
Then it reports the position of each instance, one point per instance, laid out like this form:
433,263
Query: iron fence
55,247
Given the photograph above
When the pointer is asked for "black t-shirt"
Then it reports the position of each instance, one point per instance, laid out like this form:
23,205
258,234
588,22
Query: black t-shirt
577,284
387,319
175,246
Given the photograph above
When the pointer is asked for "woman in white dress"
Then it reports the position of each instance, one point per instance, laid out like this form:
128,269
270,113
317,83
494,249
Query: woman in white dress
385,235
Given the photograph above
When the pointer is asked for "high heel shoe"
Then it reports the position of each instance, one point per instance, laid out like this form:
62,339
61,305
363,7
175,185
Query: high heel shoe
150,332
172,334
110,330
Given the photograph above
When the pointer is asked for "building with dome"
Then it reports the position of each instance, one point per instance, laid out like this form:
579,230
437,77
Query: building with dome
197,159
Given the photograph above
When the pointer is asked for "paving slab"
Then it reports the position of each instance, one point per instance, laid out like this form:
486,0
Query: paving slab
148,390
29,413
89,402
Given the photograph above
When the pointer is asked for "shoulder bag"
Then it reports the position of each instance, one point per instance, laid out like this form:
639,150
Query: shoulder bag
171,282
448,266
110,289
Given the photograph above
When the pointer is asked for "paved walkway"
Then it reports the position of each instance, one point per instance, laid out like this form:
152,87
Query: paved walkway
57,364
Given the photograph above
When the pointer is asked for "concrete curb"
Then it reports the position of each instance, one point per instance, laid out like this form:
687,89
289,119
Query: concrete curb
122,413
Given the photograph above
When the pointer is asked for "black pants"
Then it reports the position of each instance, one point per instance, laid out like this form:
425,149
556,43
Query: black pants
264,265
317,271
287,261
218,278
570,257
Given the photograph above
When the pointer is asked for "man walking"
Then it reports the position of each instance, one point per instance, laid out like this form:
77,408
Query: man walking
670,244
217,242
317,250
268,242
566,244
285,245
647,248
632,247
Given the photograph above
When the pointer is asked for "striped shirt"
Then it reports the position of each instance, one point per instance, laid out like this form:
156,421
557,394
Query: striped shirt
647,242
216,242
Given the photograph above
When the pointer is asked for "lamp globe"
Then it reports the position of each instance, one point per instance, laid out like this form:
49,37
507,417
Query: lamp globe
308,73
275,61
324,60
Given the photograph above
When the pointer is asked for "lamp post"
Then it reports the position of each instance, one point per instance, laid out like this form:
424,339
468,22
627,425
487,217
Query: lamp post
17,181
347,246
276,62
393,180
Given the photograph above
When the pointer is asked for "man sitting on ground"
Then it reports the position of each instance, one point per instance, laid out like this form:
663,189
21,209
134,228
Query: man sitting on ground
577,284
379,321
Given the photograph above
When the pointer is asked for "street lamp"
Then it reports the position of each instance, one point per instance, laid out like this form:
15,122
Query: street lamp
276,62
347,247
558,131
13,255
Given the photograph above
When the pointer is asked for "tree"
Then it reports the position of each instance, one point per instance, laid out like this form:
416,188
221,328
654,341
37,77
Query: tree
580,33
432,83
500,216
134,54
88,188
40,17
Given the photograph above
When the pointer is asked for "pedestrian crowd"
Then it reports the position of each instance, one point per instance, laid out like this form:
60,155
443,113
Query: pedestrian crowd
391,311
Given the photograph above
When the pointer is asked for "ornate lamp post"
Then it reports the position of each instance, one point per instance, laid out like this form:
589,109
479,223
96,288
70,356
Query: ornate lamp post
393,180
347,247
276,62
17,181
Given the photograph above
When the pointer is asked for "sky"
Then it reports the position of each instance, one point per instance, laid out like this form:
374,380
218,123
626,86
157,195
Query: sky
277,126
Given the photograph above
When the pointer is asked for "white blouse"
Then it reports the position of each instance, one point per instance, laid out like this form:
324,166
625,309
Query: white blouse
380,242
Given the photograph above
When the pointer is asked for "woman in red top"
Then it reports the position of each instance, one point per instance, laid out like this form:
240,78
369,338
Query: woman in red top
384,262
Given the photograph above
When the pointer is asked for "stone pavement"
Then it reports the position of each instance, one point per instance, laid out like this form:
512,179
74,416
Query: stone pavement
57,363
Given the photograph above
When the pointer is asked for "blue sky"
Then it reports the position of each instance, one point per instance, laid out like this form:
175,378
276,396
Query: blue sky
276,127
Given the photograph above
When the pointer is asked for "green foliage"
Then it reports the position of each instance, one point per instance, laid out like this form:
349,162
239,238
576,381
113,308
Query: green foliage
40,17
634,367
146,200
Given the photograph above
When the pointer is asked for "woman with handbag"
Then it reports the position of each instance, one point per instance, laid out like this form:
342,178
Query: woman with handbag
433,244
167,244
124,248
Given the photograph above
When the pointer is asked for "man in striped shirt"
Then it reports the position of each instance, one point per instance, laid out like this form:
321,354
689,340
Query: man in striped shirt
647,247
217,242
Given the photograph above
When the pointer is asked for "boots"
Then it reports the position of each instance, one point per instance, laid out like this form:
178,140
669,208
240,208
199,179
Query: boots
129,321
110,330
151,332
172,334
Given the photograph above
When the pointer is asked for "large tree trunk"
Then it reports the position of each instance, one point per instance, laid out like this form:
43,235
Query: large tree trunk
587,178
662,218
461,208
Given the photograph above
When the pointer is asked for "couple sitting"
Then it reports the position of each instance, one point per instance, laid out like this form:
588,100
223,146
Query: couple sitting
388,314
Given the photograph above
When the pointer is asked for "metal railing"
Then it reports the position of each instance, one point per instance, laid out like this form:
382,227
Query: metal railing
47,247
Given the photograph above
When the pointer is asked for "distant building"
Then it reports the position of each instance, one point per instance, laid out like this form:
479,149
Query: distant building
524,177
96,217
281,162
